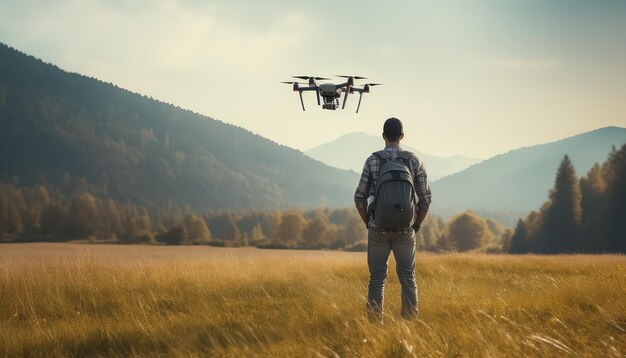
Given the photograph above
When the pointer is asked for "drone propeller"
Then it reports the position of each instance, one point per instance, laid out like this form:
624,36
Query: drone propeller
367,86
355,77
311,77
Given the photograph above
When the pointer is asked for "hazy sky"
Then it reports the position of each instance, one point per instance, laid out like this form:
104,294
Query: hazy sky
471,77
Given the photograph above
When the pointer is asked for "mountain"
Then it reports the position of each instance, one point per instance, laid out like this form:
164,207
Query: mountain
73,132
520,180
350,151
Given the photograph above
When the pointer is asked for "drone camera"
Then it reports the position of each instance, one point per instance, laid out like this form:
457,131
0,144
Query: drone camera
329,106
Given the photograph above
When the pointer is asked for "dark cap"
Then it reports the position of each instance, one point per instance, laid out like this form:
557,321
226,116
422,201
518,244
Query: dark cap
392,129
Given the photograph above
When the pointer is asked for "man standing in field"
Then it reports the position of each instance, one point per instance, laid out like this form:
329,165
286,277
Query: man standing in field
396,181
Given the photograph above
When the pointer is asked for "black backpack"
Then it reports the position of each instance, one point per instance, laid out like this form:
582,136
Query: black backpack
395,202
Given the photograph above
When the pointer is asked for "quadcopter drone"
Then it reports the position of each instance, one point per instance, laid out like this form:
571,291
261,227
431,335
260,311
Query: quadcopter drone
331,92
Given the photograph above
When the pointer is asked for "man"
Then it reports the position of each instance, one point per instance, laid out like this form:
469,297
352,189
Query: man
381,240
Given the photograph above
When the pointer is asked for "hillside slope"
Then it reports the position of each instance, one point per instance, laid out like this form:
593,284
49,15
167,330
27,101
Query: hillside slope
71,130
521,179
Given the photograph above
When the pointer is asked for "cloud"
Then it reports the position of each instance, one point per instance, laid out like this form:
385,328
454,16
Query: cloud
165,34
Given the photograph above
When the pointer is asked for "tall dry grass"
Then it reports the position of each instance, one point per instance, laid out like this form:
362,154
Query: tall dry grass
82,300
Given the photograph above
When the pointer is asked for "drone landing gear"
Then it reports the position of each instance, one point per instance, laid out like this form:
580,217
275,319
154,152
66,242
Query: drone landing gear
302,101
359,105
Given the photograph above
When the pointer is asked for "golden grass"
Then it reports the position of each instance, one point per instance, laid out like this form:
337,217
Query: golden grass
82,300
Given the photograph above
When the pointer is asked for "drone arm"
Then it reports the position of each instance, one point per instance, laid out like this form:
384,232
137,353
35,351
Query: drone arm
345,97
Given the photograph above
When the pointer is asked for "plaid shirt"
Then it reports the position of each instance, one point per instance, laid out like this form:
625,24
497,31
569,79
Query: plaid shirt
369,178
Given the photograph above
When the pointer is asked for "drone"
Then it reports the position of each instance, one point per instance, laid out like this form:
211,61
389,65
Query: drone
331,92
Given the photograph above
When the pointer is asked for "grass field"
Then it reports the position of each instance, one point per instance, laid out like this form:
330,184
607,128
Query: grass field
81,300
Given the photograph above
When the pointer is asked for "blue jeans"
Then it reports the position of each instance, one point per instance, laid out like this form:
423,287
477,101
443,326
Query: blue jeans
379,245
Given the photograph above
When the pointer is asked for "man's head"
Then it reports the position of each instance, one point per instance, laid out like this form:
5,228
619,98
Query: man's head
392,130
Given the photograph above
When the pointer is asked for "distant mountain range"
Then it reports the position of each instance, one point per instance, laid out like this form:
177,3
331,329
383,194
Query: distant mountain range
76,132
520,180
350,151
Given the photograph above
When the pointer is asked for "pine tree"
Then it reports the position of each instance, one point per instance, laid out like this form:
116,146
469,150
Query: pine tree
563,215
608,168
616,205
519,243
197,230
593,205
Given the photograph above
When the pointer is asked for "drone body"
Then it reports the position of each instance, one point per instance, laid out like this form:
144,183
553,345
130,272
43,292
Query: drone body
330,92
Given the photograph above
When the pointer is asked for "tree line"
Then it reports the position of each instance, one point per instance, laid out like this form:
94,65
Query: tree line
44,213
581,215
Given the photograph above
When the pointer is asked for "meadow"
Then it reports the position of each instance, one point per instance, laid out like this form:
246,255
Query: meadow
133,300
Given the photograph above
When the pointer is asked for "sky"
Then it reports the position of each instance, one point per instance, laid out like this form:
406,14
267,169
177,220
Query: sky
475,78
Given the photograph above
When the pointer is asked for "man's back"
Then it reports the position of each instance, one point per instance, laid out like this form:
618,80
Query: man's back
389,235
371,171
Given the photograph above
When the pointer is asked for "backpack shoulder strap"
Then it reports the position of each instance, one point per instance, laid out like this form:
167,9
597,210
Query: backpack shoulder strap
405,157
383,155
405,154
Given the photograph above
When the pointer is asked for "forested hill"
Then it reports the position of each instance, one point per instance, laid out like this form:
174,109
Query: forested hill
520,179
74,132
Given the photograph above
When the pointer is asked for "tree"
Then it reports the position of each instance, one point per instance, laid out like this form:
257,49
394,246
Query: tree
428,235
593,206
111,218
467,232
256,235
42,197
232,230
14,224
177,235
496,228
54,221
276,220
616,203
197,230
83,216
519,243
351,232
317,231
505,240
563,215
291,227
